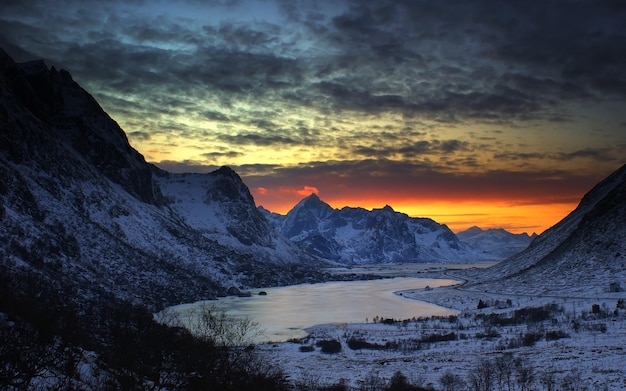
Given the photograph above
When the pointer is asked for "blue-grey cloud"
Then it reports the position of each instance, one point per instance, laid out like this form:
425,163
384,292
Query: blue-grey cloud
502,60
452,62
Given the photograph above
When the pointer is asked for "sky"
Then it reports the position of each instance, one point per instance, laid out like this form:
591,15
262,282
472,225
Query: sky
485,112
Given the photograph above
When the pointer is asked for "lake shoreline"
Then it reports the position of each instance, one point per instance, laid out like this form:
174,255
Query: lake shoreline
285,312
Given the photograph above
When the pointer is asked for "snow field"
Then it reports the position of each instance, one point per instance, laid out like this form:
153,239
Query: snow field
573,345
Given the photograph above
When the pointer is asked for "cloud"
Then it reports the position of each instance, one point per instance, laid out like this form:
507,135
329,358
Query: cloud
448,61
186,166
411,149
588,153
262,139
413,87
308,190
394,181
214,155
139,135
595,154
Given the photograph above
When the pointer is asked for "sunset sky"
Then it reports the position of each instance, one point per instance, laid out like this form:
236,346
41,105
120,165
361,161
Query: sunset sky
489,113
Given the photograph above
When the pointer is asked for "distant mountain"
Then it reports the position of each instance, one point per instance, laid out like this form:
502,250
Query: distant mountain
583,254
358,236
81,207
498,242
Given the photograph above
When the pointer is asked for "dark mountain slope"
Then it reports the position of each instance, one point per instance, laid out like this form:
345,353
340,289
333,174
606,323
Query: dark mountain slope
78,205
69,115
583,253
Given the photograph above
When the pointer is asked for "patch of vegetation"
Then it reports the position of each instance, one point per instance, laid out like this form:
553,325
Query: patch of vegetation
489,333
439,337
521,316
329,346
554,335
529,339
48,332
307,348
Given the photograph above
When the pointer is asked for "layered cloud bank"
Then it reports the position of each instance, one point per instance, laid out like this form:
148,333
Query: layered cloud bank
422,105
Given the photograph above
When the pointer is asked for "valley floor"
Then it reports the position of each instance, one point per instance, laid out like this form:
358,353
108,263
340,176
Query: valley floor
564,343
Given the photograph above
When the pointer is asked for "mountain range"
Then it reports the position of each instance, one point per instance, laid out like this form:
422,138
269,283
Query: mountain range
358,236
496,241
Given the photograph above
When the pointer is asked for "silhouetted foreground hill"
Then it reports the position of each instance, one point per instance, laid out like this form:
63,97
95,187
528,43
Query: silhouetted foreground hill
584,254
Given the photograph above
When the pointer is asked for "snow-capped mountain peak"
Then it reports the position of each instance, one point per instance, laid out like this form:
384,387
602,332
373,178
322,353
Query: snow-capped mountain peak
356,235
496,241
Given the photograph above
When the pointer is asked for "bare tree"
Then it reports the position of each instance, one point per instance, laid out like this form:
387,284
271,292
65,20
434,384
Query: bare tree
372,383
525,374
451,382
548,379
573,381
482,377
211,323
503,368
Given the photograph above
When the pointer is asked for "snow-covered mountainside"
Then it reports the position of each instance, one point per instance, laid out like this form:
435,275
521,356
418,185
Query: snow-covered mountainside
498,242
584,253
358,236
79,205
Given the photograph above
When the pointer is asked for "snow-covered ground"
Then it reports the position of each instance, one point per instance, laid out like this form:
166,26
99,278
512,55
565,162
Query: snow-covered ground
572,347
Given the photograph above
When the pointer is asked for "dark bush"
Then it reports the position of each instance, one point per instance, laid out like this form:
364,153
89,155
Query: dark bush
389,321
307,348
329,346
399,382
439,337
556,334
340,386
535,314
529,339
356,344
521,316
488,334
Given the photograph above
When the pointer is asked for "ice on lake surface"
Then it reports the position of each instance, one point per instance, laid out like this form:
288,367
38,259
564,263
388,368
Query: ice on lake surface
285,312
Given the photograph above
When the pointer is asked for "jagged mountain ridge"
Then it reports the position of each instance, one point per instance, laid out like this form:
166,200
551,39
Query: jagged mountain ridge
79,205
495,241
586,251
358,236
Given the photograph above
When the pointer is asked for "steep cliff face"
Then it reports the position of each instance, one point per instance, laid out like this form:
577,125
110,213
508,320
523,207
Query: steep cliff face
69,115
80,206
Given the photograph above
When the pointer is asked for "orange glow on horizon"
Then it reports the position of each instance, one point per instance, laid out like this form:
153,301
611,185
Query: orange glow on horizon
457,215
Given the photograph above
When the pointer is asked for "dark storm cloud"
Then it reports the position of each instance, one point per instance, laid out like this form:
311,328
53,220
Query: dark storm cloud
413,149
502,60
229,154
140,135
426,181
556,50
589,153
597,154
262,139
215,116
186,166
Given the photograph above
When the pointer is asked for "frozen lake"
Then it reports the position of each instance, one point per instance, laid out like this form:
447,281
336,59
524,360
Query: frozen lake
286,312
